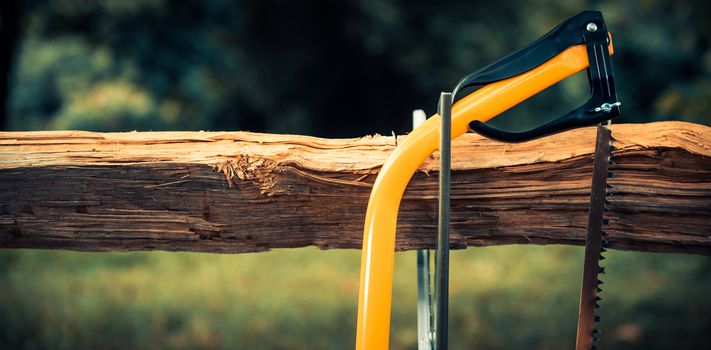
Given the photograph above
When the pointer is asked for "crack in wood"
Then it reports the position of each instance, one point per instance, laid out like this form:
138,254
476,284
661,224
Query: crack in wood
243,192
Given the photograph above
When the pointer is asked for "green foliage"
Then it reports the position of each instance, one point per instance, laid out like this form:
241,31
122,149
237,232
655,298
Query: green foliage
501,298
344,68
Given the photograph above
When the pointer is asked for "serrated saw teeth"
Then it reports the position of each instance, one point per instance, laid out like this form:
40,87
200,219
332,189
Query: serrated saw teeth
603,243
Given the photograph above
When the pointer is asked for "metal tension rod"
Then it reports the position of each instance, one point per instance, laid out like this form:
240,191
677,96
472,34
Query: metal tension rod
424,291
442,254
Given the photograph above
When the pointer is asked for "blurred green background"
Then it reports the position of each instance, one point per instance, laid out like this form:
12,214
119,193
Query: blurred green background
511,297
333,69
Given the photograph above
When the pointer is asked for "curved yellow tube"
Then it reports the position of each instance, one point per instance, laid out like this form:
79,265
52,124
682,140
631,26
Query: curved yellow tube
377,259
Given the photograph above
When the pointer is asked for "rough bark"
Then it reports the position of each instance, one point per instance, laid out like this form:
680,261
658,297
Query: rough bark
234,192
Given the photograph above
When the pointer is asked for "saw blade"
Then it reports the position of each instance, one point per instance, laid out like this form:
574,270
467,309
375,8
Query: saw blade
595,242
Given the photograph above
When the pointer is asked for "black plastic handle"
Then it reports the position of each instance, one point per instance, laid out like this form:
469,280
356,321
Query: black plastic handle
587,27
534,54
579,117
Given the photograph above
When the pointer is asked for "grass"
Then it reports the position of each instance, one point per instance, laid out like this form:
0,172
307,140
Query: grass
501,298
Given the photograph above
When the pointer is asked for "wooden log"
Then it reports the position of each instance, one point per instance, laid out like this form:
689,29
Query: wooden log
233,192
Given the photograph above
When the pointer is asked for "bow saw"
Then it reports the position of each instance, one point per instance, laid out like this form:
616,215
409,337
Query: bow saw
580,42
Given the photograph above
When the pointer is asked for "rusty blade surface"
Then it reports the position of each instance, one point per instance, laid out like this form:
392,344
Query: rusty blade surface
594,243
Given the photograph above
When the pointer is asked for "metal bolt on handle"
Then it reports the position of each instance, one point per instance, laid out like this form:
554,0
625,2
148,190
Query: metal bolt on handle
607,107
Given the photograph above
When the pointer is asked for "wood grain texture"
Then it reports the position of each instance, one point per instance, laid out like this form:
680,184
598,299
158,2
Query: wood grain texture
233,192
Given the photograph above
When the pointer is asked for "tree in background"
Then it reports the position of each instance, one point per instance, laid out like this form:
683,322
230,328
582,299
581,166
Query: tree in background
9,33
343,68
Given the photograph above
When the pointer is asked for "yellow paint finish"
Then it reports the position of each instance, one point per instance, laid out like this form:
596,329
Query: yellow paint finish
377,258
